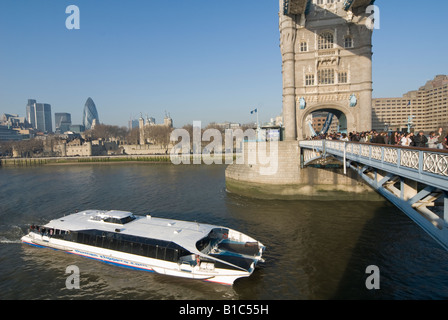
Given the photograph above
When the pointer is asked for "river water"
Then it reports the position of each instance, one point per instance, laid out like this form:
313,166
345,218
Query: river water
316,250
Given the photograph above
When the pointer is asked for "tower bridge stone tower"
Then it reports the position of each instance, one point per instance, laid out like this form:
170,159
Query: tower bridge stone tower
326,48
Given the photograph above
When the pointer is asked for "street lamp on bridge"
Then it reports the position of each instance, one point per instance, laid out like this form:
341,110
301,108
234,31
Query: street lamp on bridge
410,123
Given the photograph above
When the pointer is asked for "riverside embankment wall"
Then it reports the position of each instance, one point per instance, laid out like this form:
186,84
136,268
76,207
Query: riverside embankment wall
23,162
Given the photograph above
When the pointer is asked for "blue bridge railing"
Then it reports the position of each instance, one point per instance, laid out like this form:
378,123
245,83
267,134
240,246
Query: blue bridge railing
429,166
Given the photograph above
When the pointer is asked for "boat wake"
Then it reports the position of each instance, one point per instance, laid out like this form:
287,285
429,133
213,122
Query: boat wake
3,240
11,234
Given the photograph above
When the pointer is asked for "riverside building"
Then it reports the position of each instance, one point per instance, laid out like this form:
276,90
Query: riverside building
423,109
8,134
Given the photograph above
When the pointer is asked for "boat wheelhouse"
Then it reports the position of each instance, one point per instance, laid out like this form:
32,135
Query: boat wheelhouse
172,247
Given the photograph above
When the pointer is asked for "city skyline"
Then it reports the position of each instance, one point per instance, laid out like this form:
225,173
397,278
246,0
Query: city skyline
222,62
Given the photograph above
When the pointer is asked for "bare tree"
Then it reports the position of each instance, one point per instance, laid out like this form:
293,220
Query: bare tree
107,132
133,136
27,148
159,135
5,148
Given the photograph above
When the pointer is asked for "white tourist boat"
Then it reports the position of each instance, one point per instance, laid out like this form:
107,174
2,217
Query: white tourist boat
171,247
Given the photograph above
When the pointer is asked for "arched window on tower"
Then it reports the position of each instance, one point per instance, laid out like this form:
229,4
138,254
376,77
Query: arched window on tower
326,41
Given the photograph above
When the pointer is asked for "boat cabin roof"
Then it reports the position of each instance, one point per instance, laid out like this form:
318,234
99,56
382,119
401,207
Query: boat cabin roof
184,233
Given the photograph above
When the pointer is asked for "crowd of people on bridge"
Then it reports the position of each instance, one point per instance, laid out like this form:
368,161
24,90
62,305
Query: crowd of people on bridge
437,139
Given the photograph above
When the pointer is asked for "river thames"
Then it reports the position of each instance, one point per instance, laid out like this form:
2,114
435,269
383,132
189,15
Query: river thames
315,250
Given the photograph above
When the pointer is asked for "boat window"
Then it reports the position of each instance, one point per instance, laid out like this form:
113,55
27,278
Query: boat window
119,220
150,251
203,243
126,246
112,220
127,219
152,248
160,253
171,254
139,249
59,234
215,236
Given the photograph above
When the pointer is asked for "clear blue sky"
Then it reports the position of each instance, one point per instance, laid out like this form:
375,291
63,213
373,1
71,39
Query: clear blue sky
197,59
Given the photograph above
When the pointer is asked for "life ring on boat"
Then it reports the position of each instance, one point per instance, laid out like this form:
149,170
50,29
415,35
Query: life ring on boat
225,235
197,259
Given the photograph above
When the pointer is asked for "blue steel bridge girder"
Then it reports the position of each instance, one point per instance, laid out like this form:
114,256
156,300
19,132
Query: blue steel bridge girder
353,4
303,6
414,180
296,6
417,205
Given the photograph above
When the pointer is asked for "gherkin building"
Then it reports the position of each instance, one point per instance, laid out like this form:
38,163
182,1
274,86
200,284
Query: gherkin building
89,114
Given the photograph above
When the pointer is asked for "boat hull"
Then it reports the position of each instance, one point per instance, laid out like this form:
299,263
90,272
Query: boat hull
135,262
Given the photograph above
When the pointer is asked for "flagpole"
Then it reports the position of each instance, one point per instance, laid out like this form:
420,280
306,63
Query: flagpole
258,126
257,119
411,116
256,111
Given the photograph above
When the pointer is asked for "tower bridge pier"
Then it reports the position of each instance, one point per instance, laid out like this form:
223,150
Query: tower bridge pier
291,181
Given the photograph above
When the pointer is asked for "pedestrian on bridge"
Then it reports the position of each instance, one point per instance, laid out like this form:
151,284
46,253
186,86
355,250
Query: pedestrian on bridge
412,137
440,138
420,140
432,140
406,140
394,139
